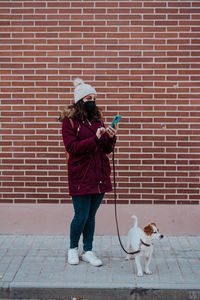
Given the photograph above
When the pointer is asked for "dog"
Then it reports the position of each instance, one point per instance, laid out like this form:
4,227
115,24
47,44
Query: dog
140,244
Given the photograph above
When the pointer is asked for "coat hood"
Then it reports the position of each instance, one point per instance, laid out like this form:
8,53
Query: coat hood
67,112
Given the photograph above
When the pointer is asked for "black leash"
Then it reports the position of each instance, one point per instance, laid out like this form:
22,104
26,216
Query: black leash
115,197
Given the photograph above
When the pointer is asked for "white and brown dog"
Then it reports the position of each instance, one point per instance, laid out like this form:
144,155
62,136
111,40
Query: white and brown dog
140,244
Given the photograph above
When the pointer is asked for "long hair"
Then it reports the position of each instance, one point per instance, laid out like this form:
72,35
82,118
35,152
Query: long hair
77,111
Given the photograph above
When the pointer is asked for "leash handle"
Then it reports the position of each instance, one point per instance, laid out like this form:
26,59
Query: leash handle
115,198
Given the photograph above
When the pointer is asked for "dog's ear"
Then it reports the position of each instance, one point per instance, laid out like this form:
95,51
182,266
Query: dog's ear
148,229
154,224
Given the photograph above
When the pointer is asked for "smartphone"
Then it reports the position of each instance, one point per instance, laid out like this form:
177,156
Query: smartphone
115,121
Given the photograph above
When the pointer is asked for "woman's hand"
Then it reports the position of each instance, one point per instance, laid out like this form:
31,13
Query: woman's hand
100,132
111,131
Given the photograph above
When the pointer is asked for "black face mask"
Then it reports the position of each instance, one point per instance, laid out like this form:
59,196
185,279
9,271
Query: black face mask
90,107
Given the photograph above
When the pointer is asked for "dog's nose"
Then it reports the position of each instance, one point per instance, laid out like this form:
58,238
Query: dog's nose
161,236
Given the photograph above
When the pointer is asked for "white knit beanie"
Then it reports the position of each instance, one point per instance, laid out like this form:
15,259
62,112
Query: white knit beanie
82,89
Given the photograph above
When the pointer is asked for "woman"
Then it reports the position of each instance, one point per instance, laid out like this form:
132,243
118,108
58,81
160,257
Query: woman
87,141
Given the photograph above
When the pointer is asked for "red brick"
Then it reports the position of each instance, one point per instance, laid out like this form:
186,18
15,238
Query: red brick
178,17
56,4
142,23
130,4
154,4
178,28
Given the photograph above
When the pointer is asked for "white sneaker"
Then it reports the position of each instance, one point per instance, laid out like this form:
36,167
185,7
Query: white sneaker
90,257
73,258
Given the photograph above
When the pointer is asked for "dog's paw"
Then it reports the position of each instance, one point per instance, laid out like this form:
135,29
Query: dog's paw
139,274
148,272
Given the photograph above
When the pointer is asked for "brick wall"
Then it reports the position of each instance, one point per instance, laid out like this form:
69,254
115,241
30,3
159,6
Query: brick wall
143,57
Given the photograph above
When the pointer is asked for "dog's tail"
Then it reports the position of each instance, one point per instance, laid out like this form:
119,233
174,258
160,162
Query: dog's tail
135,224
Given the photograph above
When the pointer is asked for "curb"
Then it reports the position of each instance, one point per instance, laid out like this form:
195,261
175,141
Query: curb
113,293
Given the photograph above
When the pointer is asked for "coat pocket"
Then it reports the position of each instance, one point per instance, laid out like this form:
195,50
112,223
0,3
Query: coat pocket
77,168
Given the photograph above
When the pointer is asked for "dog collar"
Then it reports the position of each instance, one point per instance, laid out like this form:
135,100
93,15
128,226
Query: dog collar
147,245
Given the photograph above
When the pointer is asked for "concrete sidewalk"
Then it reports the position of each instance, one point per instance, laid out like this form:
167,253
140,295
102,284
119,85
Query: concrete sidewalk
35,267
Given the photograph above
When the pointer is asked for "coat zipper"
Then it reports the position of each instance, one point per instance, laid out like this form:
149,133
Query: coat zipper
99,188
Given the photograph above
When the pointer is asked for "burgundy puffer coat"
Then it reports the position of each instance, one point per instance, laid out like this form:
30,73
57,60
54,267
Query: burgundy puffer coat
88,165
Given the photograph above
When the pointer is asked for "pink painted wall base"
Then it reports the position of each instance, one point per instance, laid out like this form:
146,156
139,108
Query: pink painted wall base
55,219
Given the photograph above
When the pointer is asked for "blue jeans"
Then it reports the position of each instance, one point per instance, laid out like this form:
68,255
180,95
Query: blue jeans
85,208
